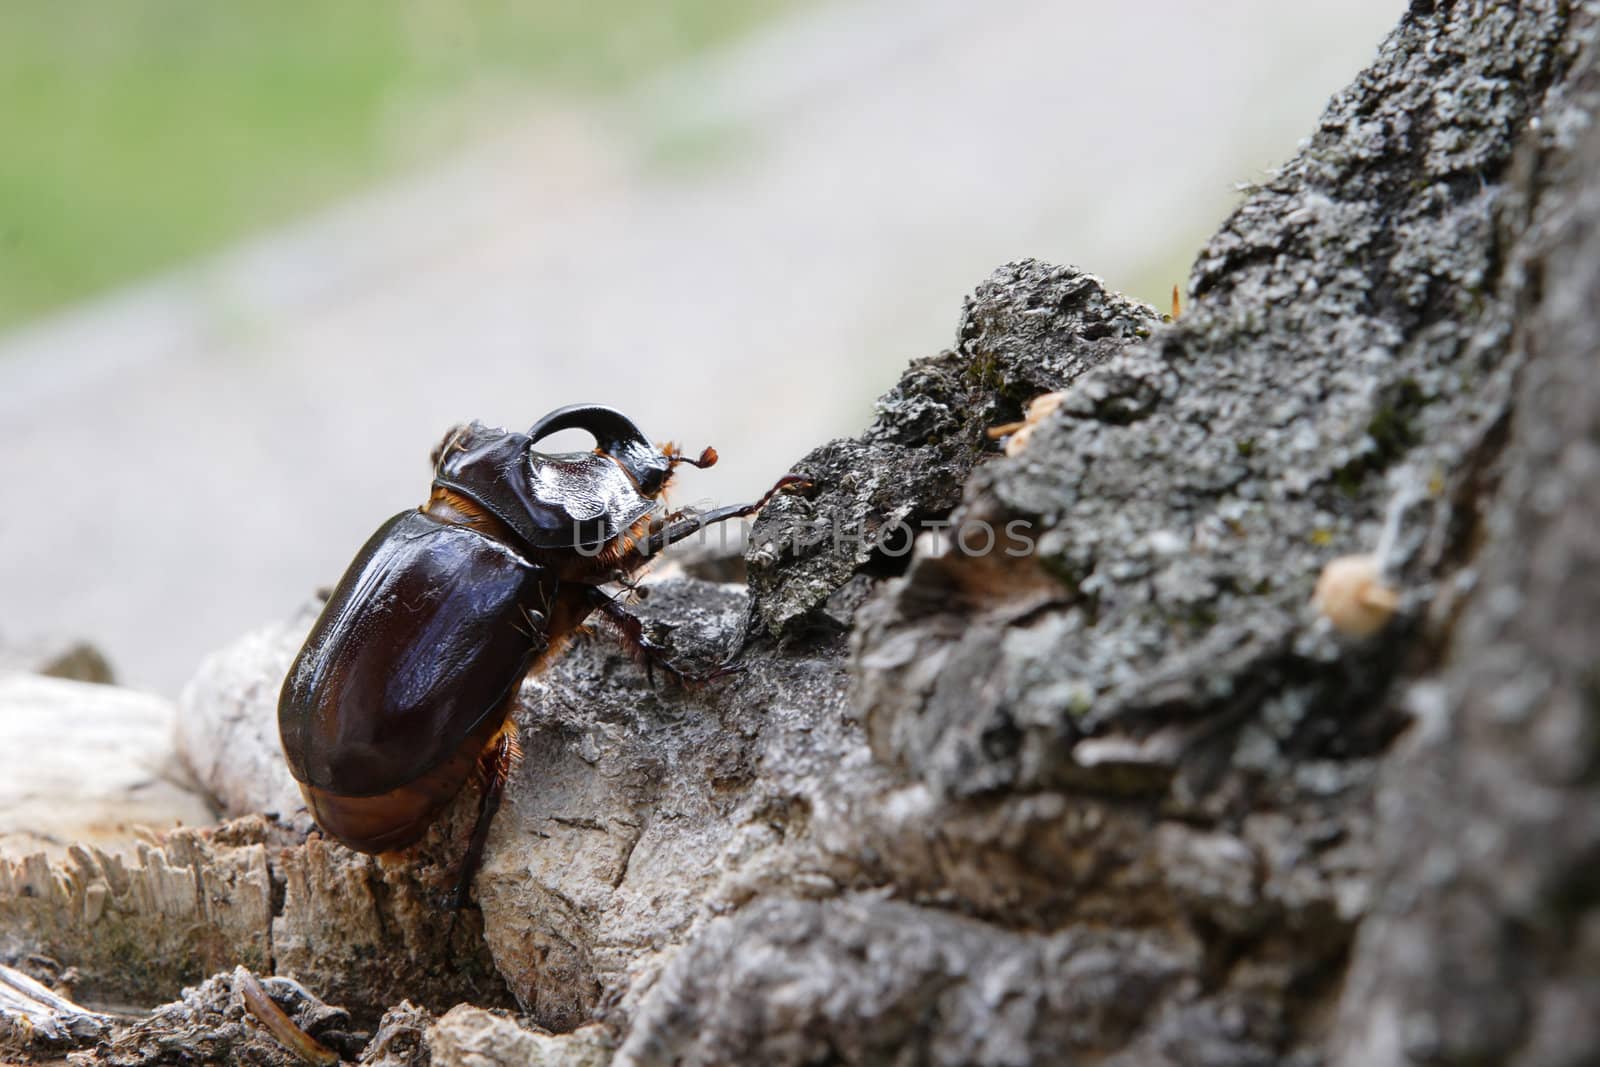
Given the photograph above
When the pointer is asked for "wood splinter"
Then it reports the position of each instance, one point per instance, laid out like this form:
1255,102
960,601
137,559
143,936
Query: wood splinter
1019,432
278,1024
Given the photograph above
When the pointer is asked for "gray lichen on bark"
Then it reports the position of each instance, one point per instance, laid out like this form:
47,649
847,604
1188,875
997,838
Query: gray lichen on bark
1126,798
1028,330
1484,945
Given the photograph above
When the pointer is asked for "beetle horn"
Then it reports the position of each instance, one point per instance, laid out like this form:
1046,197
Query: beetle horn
610,427
616,435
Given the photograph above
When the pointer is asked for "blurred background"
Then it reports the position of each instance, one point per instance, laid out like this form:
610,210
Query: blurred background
256,258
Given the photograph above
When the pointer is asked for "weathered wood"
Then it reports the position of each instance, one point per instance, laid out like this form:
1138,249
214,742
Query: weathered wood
91,785
1128,798
139,928
34,1016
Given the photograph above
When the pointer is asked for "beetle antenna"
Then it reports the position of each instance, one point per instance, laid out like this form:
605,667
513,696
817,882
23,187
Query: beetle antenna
707,458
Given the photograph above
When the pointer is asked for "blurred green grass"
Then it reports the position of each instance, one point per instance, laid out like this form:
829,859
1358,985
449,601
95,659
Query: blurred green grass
135,134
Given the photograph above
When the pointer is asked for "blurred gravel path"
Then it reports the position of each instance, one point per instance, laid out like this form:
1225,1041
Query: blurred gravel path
742,254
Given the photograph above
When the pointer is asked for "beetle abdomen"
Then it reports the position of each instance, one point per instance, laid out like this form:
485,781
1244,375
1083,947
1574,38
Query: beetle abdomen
399,817
413,658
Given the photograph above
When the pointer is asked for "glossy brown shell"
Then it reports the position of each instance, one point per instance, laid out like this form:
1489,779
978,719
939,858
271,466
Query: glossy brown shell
399,817
406,675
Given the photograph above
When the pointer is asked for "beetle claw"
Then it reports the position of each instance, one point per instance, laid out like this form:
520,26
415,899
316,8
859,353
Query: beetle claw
694,681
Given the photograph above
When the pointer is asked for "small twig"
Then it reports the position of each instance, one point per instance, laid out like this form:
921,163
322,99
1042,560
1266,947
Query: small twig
43,1011
290,1036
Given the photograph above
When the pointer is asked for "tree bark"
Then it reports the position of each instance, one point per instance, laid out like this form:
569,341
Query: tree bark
1128,797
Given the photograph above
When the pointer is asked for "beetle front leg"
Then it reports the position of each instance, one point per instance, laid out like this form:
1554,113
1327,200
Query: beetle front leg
681,524
672,532
631,629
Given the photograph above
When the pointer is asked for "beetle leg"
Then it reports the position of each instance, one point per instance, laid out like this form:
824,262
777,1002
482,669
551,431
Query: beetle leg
631,630
495,765
651,653
680,524
631,584
538,628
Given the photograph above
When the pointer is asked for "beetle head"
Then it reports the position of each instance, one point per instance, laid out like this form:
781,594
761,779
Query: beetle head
575,500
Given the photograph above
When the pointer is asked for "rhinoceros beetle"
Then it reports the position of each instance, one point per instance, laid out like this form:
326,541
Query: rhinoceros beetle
404,687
